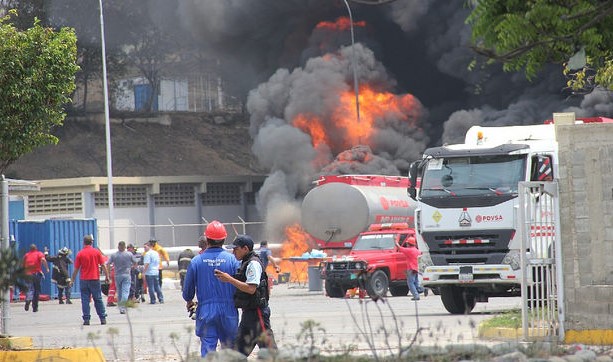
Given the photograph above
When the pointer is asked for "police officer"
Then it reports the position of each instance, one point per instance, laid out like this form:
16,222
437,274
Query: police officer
251,296
216,315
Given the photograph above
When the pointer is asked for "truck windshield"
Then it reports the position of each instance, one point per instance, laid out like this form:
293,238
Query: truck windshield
375,242
473,176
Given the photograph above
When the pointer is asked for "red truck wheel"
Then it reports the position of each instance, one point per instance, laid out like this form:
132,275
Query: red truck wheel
377,284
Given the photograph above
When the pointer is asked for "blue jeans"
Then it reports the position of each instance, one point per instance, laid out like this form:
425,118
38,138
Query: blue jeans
33,283
153,285
413,281
122,283
91,289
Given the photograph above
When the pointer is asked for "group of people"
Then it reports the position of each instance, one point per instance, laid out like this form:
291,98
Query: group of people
215,284
89,262
223,282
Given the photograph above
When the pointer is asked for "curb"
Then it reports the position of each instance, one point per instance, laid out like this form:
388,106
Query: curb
16,343
591,337
500,333
89,354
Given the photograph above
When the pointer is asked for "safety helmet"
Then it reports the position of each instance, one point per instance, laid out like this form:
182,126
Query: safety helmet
215,231
64,251
411,240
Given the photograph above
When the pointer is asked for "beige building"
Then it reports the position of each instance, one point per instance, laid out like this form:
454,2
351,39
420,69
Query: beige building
172,209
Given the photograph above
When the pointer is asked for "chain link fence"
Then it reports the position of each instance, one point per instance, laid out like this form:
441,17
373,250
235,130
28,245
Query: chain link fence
174,235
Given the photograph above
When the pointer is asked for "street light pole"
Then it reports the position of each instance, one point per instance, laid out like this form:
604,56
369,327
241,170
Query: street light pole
107,123
6,296
354,64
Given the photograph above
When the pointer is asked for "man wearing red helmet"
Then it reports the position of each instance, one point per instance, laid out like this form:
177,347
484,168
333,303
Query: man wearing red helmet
412,254
216,315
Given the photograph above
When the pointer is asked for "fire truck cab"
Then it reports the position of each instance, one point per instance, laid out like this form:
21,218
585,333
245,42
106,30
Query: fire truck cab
374,264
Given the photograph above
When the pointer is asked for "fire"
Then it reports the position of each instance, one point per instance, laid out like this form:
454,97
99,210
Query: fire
341,24
310,124
375,106
297,242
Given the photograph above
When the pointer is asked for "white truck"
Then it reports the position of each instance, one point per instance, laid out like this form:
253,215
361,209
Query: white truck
466,217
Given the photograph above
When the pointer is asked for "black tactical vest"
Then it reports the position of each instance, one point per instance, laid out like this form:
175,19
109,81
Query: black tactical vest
258,299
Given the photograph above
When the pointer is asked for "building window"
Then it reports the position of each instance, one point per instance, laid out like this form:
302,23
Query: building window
175,195
250,196
123,196
71,203
222,193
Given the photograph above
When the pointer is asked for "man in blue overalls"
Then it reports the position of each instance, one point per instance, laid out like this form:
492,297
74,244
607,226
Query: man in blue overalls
216,315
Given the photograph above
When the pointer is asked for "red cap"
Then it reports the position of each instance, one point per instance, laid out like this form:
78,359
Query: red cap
411,240
215,231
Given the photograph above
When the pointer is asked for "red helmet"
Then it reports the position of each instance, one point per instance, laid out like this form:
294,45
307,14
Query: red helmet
215,231
411,240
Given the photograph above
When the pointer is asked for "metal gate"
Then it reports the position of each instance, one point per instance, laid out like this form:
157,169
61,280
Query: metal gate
539,230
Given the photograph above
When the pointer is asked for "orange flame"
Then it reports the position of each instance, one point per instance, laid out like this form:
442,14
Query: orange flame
341,24
297,242
374,106
311,125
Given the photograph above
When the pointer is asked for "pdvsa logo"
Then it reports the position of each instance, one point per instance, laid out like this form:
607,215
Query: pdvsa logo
488,218
386,204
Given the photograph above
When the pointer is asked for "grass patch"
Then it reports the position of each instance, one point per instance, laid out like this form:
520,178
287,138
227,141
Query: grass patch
508,319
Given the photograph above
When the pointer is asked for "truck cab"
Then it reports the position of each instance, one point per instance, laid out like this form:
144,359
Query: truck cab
466,219
375,263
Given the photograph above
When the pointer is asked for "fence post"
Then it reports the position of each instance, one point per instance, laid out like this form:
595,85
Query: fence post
244,225
174,238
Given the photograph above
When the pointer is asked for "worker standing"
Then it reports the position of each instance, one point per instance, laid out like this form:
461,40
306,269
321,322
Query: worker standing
163,257
215,313
185,257
412,254
251,296
88,261
33,261
266,256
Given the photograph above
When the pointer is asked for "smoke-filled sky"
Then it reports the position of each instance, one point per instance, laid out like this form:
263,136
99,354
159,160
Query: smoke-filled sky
293,61
297,53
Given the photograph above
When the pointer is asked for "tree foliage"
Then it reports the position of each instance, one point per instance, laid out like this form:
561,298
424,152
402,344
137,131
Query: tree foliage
527,34
37,70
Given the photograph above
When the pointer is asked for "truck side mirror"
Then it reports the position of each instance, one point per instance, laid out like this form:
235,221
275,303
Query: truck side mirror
542,168
414,171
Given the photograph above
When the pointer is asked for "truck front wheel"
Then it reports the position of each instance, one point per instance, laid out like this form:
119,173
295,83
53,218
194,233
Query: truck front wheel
457,300
335,291
377,284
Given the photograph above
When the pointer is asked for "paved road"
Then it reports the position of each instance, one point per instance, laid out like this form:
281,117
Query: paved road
165,330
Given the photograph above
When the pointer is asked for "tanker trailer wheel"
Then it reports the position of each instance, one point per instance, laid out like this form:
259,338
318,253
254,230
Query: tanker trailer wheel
334,290
457,300
399,290
377,284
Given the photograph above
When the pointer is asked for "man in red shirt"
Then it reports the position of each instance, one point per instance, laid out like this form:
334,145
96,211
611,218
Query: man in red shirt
88,261
33,261
412,254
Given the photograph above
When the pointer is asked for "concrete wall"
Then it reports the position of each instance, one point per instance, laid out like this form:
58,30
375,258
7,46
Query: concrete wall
586,207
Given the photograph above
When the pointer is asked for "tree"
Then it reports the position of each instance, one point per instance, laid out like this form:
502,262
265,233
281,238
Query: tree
529,34
37,70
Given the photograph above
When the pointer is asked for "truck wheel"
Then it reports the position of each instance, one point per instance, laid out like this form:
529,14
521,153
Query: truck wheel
335,290
399,291
377,284
457,300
